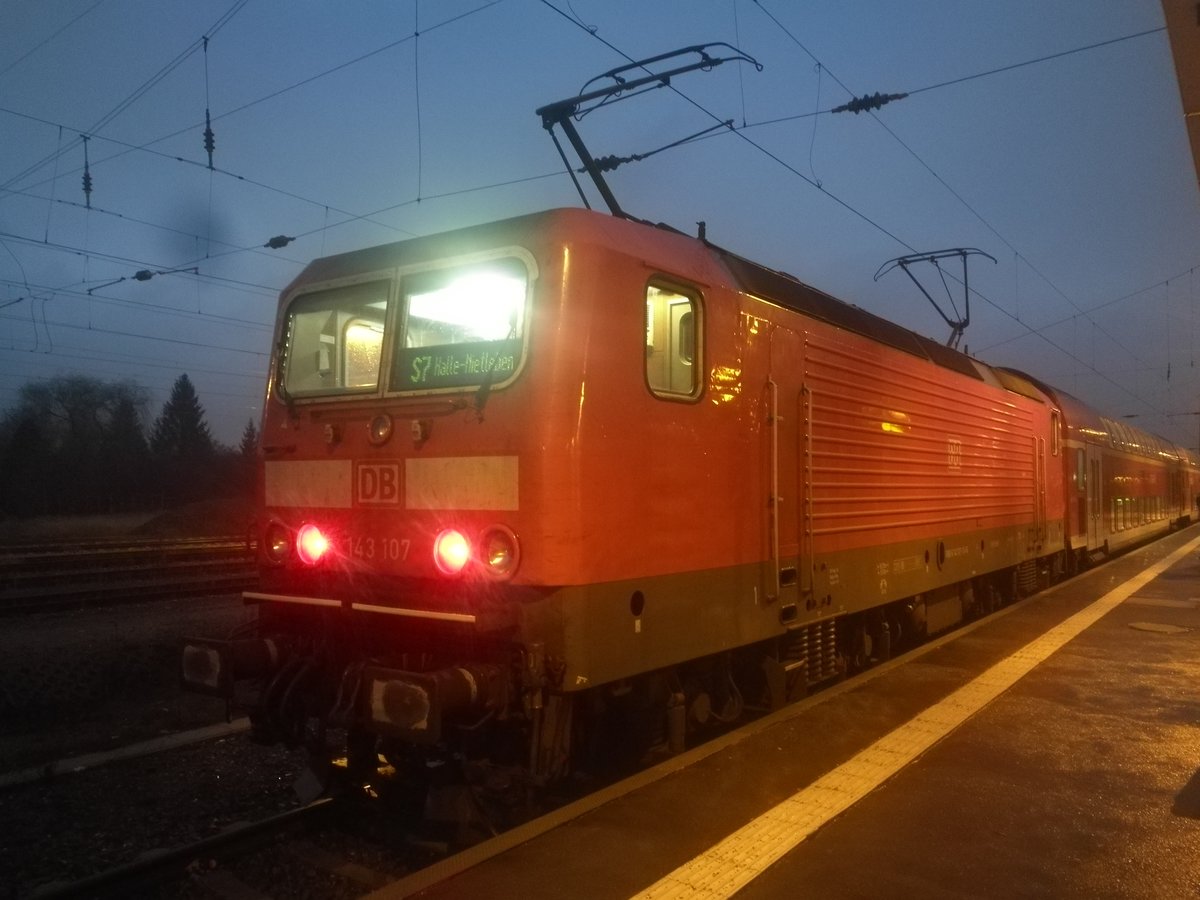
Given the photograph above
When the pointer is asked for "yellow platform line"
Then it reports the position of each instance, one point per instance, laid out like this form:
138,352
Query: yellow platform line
730,865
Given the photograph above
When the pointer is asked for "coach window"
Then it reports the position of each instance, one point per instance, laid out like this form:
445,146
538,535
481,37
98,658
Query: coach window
1055,431
673,362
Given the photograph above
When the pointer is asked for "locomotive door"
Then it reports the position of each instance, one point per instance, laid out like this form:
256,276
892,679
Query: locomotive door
1095,507
786,427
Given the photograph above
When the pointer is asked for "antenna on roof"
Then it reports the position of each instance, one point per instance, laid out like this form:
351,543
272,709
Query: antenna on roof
957,325
562,112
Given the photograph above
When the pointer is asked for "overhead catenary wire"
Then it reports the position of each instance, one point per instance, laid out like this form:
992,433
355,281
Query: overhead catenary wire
327,224
38,46
210,142
753,143
129,101
960,80
417,92
590,30
349,218
740,133
962,200
146,147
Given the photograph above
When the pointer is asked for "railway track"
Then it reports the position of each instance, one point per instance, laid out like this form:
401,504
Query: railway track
41,577
197,861
351,847
331,847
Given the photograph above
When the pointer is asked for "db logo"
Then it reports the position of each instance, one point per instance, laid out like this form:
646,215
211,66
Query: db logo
377,483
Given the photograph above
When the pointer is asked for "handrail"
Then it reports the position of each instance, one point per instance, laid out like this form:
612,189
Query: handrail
776,500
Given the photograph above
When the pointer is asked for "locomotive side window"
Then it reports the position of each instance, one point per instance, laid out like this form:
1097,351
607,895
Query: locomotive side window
334,341
463,326
672,345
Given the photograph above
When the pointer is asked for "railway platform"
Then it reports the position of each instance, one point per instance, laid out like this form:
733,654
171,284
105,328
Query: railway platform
1049,750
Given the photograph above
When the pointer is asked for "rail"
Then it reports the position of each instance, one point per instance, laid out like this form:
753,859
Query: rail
153,870
41,577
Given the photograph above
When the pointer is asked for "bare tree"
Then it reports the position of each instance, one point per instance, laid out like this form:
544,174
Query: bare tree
70,445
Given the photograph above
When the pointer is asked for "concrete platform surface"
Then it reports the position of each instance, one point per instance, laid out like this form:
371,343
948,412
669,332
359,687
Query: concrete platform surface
1051,750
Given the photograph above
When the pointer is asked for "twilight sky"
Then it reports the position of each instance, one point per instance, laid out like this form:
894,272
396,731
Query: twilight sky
1047,133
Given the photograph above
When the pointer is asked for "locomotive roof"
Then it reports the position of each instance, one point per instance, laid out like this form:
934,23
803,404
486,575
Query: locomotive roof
747,276
752,278
794,294
1086,422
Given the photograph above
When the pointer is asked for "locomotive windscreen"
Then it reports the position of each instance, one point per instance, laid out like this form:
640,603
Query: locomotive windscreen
334,341
462,326
455,327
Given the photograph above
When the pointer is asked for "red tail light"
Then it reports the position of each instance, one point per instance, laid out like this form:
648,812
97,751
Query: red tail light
311,544
451,551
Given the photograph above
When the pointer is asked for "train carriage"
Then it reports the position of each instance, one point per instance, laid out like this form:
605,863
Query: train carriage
530,485
1122,484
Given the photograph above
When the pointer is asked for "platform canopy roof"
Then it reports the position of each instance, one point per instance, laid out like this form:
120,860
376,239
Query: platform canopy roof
1183,26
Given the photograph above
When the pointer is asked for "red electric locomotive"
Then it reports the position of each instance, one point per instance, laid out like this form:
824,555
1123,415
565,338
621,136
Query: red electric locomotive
529,485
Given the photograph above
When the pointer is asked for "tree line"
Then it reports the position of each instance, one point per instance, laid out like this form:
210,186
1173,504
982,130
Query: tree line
74,444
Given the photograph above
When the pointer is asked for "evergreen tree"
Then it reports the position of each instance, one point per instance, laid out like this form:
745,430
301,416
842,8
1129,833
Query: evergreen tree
127,455
66,443
180,432
247,456
249,445
25,466
182,447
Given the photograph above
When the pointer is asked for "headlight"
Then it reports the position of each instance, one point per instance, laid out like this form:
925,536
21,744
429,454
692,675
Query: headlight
277,542
380,429
500,551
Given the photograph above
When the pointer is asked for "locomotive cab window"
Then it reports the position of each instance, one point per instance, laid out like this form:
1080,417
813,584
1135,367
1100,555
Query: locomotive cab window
334,341
672,342
463,326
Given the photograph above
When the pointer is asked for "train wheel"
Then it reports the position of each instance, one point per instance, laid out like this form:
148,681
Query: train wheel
885,641
858,644
362,755
623,722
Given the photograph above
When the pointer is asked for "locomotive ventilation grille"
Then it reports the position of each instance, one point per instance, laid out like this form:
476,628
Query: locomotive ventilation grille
815,646
1027,577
